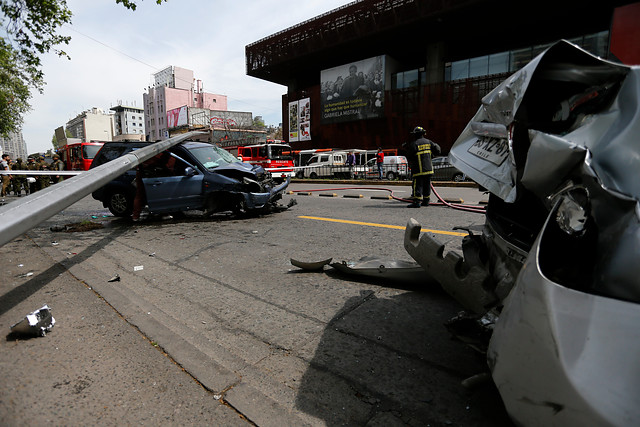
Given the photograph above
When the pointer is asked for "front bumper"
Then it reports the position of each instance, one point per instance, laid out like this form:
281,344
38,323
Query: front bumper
563,357
260,200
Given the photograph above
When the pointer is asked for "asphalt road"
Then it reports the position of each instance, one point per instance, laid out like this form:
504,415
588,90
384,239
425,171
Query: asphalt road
275,345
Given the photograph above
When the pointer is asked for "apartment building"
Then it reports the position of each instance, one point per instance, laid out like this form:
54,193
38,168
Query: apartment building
175,87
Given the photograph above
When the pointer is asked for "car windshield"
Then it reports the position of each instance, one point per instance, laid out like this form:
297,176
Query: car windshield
212,156
280,152
90,151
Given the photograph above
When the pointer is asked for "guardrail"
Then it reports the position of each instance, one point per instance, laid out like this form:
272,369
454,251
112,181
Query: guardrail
389,172
21,215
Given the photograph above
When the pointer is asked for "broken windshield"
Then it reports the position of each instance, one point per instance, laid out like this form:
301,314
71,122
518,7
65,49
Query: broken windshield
212,156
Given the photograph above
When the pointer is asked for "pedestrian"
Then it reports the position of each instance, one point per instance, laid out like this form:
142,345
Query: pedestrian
32,180
6,179
44,180
57,165
380,162
351,161
419,155
140,198
20,181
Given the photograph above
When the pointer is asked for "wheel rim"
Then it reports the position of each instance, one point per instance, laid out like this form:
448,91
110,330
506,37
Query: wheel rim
119,202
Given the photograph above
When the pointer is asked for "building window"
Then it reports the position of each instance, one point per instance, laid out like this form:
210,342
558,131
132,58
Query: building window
405,79
511,61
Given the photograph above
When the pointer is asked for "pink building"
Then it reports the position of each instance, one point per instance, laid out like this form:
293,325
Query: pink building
175,87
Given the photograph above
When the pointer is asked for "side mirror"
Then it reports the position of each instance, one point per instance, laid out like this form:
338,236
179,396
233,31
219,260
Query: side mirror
189,171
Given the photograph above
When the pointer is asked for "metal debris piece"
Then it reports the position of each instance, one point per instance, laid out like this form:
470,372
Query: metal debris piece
37,323
406,271
310,266
29,274
115,278
138,268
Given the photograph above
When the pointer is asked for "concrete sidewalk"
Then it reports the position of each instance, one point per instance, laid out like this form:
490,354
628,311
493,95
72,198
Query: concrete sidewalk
93,367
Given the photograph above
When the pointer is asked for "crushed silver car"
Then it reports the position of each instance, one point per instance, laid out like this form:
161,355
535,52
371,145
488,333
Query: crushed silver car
558,147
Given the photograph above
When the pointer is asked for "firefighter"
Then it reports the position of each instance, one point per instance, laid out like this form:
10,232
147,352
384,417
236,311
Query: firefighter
419,153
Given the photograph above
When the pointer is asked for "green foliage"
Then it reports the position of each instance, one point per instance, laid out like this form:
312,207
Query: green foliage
129,4
258,123
14,92
29,29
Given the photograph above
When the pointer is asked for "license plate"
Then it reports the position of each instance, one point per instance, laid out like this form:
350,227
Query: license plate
493,150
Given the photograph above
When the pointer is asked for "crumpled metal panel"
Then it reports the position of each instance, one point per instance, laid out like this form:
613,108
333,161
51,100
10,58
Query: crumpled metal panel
493,161
561,357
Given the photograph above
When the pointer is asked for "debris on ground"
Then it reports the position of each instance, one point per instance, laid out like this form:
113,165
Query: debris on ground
37,323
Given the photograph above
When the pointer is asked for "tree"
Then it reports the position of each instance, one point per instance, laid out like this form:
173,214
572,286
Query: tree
30,30
258,123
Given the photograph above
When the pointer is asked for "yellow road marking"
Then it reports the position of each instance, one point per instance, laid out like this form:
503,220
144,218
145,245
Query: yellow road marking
373,224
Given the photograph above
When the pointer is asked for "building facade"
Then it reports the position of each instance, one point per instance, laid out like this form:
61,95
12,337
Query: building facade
128,122
14,145
365,74
92,125
173,88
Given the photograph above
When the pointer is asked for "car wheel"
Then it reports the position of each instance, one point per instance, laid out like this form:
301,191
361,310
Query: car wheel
299,174
391,176
458,177
313,175
120,203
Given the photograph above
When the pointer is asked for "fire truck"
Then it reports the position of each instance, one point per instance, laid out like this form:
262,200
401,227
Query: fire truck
78,156
274,156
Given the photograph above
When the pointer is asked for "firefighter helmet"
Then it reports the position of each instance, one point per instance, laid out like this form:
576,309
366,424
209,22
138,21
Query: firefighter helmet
418,131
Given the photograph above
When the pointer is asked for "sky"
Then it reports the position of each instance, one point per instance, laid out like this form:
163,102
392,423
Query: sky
114,53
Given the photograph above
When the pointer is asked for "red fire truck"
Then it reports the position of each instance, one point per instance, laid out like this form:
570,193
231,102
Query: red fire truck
78,156
274,156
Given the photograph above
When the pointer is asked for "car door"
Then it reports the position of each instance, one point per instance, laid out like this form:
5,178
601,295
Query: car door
171,184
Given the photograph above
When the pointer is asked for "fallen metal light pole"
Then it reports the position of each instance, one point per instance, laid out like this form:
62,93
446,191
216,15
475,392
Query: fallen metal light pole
20,216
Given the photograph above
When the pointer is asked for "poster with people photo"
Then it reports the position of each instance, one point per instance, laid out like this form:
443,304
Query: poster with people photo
353,91
304,106
293,121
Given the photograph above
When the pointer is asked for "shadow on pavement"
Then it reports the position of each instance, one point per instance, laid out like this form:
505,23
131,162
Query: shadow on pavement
390,361
37,282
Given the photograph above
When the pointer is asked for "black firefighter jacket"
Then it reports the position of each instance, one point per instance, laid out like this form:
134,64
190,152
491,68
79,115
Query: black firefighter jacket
419,155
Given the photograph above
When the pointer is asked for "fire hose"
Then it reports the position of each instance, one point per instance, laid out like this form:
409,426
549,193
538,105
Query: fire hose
441,202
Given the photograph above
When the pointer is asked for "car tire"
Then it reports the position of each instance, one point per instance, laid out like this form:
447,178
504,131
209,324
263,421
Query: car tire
391,176
458,177
120,203
300,174
313,175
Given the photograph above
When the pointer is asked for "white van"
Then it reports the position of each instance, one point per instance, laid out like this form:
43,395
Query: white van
392,167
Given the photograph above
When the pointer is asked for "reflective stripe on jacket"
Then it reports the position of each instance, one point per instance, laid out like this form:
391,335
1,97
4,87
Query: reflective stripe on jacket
420,156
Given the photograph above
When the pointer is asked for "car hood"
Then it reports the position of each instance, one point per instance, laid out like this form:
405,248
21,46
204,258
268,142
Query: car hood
240,169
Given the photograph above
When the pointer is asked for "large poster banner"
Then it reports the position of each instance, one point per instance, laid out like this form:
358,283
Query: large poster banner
293,121
304,107
177,117
353,91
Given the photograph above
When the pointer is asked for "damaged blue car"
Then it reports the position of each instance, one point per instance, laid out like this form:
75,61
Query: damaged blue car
189,176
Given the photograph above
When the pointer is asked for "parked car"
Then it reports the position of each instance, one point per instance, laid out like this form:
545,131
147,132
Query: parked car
392,167
189,176
445,171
